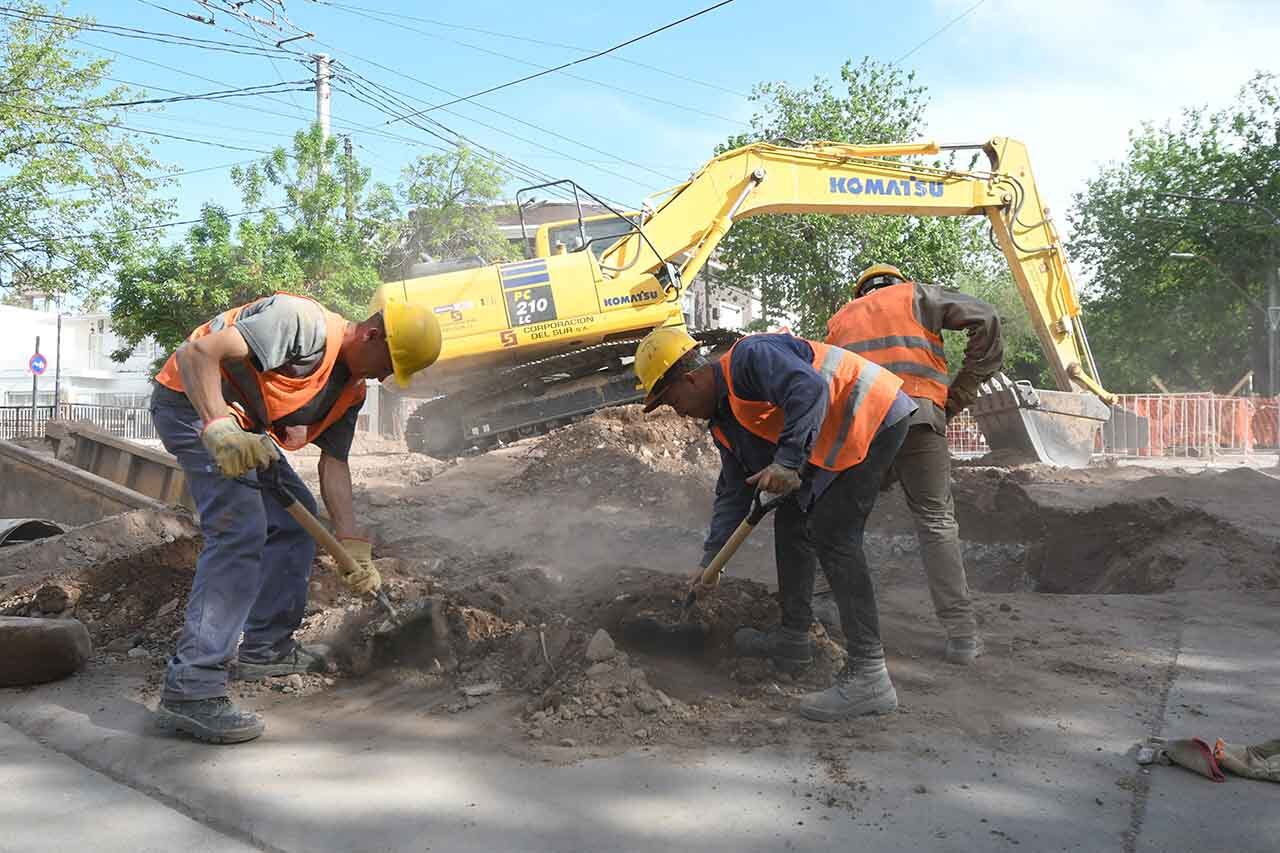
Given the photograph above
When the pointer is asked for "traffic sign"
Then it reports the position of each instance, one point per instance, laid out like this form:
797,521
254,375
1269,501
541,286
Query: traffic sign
37,364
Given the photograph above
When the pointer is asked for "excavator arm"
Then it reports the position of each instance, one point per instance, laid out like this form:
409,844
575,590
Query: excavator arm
838,179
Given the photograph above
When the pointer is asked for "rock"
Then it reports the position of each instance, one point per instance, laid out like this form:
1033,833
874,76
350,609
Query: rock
138,652
646,704
664,699
483,689
609,711
601,647
568,741
779,723
120,645
920,789
294,681
167,608
1005,607
105,597
472,701
55,598
536,733
329,682
288,688
640,734
39,650
599,670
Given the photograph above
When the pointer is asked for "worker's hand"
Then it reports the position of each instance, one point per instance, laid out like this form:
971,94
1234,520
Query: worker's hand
775,479
365,579
234,450
961,394
698,588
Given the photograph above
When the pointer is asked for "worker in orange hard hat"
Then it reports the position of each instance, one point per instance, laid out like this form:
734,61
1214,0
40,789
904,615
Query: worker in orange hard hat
284,371
898,324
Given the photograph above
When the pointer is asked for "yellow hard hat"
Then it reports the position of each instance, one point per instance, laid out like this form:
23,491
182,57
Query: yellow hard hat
413,337
655,355
873,272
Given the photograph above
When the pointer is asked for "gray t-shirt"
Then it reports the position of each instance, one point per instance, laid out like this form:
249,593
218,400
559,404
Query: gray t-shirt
286,334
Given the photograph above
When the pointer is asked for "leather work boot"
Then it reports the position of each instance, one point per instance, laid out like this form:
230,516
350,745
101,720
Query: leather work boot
217,720
789,649
300,659
963,651
854,694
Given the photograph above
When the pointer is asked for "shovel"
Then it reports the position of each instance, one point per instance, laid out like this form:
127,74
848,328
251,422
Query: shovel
691,637
269,482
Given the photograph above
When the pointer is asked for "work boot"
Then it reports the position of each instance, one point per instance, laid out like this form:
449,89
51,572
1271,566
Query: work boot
299,659
963,651
826,611
854,694
789,649
216,720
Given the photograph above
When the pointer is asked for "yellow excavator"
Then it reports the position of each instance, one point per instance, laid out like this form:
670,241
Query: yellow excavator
533,344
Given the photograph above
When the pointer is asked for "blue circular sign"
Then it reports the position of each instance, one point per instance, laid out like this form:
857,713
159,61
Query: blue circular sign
37,364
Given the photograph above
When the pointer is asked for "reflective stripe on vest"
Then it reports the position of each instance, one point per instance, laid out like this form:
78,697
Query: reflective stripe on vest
271,395
861,394
882,326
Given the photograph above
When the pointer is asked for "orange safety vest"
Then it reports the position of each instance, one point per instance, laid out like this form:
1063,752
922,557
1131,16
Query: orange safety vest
882,327
277,395
861,395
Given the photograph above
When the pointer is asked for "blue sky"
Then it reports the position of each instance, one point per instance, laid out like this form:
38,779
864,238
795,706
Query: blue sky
1068,78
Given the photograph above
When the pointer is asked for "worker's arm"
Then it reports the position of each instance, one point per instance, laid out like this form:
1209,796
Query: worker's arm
200,362
939,308
335,490
771,368
732,503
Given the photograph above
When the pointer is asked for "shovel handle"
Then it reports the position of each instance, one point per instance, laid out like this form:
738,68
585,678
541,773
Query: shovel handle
759,509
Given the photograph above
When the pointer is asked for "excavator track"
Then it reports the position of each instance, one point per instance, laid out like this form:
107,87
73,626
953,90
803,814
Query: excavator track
535,397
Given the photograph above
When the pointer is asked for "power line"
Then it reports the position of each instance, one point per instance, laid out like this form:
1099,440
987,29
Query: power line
245,91
948,25
541,129
116,126
514,37
579,61
138,228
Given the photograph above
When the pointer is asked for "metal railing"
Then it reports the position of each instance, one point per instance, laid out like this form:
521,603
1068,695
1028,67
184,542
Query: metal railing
964,438
1189,426
121,421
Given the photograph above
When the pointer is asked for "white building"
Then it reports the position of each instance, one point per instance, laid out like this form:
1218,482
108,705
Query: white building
87,373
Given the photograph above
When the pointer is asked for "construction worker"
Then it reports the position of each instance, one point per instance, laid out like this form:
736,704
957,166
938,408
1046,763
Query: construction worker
822,425
897,324
287,367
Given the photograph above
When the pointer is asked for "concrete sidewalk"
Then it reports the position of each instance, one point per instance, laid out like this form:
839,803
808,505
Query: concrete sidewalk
51,802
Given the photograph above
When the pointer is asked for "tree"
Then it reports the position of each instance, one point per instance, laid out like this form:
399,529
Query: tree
75,196
319,228
299,238
1197,323
804,265
452,204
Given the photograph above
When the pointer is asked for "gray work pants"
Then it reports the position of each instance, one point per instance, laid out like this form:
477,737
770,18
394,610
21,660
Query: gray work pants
923,466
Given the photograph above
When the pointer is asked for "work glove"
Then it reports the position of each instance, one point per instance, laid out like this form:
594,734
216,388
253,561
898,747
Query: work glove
775,479
698,588
961,394
365,578
234,450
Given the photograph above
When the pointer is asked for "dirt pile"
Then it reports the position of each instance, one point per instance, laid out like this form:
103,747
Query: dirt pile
623,447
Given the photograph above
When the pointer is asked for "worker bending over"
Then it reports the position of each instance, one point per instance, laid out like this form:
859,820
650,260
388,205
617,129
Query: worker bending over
897,324
286,366
822,425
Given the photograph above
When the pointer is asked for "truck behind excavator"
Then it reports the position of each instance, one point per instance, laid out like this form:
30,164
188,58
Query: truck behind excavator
533,344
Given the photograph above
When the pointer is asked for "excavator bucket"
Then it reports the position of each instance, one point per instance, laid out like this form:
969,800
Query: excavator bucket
1028,424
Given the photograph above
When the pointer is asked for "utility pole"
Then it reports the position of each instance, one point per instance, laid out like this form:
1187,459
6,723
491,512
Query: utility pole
346,150
35,389
322,94
57,365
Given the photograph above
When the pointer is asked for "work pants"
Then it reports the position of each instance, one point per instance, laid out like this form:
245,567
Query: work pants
830,534
251,575
923,466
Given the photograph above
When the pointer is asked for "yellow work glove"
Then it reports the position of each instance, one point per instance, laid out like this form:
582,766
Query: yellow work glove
235,450
365,579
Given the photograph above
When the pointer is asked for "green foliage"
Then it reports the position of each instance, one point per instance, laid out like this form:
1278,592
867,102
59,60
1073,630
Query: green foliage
65,171
803,266
1196,323
320,229
452,203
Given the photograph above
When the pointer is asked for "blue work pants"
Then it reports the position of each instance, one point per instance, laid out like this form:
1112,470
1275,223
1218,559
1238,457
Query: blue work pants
251,575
